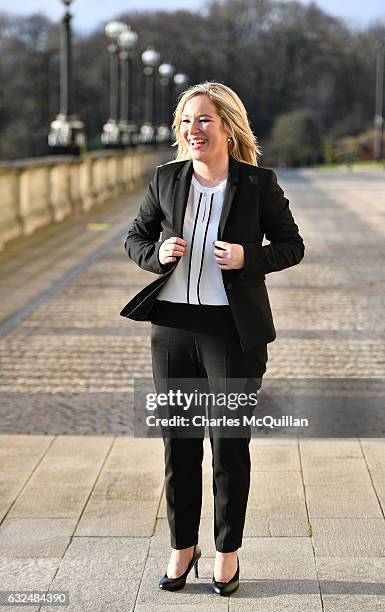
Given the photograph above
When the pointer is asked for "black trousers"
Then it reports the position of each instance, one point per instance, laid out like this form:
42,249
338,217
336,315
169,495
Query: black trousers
180,353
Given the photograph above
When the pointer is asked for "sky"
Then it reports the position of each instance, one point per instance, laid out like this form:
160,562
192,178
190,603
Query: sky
88,14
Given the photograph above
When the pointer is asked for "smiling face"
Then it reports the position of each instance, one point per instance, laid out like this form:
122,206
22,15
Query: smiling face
202,130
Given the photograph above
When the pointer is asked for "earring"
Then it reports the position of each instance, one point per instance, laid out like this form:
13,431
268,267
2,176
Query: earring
229,139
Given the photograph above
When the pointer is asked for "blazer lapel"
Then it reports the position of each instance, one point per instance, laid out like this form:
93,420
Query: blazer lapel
228,199
180,197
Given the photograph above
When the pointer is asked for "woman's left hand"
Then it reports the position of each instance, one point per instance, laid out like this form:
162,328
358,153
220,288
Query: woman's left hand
231,258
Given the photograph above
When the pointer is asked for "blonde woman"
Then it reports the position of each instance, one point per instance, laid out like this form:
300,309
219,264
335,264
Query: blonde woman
209,307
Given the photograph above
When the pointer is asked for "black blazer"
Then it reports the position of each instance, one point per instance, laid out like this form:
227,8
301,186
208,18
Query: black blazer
254,206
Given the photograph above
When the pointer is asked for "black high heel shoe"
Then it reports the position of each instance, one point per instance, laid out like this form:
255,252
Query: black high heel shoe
226,588
174,584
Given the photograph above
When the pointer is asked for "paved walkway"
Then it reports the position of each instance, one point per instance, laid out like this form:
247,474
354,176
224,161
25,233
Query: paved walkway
82,504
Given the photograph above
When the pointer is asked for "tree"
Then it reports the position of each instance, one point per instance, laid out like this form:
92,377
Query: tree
296,138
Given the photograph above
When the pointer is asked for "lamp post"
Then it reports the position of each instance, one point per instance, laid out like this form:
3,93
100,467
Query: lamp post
180,82
379,118
128,130
67,131
111,132
150,59
166,72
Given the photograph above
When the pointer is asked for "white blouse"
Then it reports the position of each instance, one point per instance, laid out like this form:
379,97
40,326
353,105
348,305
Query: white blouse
197,279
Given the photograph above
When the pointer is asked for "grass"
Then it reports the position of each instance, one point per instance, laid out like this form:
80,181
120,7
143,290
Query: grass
359,164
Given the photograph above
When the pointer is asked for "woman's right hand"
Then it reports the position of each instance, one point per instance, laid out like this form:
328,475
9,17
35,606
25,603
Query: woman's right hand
172,248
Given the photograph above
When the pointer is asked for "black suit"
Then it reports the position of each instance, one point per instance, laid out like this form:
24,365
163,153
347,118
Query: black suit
254,206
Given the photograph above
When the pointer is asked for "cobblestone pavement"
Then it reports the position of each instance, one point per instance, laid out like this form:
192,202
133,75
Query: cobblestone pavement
85,512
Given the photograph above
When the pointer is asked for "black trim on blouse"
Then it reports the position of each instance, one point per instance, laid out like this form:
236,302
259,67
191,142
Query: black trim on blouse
203,248
191,249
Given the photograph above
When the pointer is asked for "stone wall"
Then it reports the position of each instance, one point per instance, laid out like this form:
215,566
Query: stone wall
35,192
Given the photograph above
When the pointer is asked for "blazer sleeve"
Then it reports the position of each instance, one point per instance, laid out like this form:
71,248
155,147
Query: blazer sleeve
286,246
142,242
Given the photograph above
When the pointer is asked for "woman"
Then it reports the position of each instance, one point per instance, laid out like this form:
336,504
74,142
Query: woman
209,307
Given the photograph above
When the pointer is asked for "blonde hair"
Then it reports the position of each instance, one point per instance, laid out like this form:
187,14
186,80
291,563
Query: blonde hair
243,144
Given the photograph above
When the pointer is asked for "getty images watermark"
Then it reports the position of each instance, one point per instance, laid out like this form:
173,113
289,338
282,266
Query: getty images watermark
280,407
232,401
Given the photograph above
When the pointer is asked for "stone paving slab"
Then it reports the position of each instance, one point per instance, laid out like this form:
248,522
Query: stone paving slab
132,478
53,490
97,595
330,448
35,538
257,524
338,471
71,456
123,504
221,606
48,499
277,558
134,487
349,537
22,453
375,454
104,558
353,603
11,483
284,528
128,456
26,574
267,596
359,575
347,500
277,494
274,458
379,486
118,518
355,584
16,608
31,574
102,573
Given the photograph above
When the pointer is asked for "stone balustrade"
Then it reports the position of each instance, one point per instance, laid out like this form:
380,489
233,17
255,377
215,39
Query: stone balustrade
39,191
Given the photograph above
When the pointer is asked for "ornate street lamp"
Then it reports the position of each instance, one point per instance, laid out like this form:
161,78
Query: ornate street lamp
166,72
150,59
111,132
180,82
67,131
128,130
379,116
